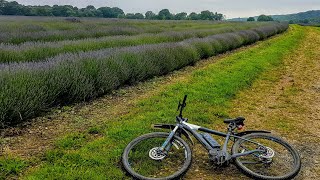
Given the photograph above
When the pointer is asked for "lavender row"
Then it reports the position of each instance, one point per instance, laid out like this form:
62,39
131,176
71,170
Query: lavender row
17,38
17,32
30,88
37,51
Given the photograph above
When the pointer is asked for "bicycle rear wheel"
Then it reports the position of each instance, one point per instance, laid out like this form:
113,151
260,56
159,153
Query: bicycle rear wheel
278,161
142,160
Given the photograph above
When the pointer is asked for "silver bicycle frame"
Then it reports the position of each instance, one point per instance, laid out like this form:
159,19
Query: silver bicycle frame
193,129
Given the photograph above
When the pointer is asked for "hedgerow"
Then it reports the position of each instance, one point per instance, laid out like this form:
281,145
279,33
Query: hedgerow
31,88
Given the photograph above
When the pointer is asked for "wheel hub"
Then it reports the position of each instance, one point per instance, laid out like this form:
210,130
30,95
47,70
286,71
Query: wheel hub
156,154
267,155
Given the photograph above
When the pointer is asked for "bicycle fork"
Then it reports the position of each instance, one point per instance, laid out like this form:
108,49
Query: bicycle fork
167,144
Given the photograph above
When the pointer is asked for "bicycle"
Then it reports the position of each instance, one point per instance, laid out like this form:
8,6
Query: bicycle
258,154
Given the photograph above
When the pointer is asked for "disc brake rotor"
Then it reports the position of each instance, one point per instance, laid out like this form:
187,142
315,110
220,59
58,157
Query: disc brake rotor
267,155
155,154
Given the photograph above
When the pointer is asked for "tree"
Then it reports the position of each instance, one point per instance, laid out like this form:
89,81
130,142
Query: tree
12,8
84,12
2,4
193,16
105,11
91,8
306,21
139,16
41,11
116,12
218,16
108,12
206,15
130,16
181,16
165,14
265,18
150,15
89,11
65,11
122,16
251,19
134,16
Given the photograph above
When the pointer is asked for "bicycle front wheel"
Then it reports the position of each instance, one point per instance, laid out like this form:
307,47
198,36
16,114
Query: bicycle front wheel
143,160
278,160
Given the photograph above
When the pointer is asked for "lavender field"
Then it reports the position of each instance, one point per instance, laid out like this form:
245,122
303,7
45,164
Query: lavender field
46,62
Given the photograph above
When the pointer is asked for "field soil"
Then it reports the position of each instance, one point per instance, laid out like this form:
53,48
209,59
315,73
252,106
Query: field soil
285,100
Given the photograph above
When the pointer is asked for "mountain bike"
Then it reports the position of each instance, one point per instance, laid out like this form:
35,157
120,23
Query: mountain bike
258,154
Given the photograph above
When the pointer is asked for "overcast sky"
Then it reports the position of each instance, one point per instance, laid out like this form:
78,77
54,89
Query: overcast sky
231,8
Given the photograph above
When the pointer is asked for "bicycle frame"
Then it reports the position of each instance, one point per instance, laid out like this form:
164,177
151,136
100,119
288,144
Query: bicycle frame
193,129
218,155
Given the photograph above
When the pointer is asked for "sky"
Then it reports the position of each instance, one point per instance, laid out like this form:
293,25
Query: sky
230,8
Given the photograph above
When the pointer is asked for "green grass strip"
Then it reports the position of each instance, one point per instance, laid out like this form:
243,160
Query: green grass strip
10,166
210,91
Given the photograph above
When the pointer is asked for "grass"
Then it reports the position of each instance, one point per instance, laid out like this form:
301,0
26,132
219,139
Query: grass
32,88
285,102
210,92
10,166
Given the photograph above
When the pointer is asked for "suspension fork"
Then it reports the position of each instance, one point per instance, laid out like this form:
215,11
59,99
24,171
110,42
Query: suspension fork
167,144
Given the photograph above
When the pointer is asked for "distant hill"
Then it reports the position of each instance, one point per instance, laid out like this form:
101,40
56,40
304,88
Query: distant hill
314,14
302,17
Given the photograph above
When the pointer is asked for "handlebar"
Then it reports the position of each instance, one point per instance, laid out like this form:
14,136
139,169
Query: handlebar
182,105
184,99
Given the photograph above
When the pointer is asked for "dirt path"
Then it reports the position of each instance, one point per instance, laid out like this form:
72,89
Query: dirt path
286,100
290,105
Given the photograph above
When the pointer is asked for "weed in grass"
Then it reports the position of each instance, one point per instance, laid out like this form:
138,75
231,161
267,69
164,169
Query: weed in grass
94,130
72,141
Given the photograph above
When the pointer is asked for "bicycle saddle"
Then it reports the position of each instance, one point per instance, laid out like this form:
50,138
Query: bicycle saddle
238,120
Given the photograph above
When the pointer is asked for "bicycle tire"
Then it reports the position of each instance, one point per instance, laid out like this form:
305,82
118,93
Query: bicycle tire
181,172
296,158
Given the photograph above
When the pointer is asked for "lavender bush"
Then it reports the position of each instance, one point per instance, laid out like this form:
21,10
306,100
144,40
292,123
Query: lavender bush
18,30
30,88
57,35
35,51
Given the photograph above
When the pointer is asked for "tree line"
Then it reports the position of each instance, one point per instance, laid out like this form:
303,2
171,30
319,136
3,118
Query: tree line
14,8
261,18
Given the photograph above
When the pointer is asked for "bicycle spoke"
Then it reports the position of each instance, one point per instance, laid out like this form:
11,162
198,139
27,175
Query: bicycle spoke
250,162
149,166
280,162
